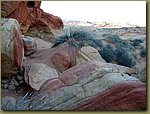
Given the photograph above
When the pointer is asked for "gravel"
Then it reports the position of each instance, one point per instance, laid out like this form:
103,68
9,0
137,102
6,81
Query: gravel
11,87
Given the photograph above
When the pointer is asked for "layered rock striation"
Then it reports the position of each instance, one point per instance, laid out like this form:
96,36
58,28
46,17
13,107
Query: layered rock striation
92,86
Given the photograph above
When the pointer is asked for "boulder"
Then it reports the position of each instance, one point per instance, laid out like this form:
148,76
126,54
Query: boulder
61,61
33,20
30,45
36,74
82,82
12,47
41,44
88,53
59,58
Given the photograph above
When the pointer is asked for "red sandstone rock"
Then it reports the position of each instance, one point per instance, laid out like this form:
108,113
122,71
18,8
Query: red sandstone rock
29,12
94,86
59,58
8,7
122,96
78,72
62,61
50,20
54,85
74,74
29,15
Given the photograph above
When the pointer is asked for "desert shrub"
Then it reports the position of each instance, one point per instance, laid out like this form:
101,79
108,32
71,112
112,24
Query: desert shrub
125,28
143,52
78,37
114,39
20,104
28,102
125,43
136,42
96,43
60,40
7,103
104,35
124,57
107,53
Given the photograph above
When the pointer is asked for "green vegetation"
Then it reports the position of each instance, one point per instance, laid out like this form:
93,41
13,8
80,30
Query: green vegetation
136,42
124,57
107,53
27,102
20,104
143,52
79,37
114,39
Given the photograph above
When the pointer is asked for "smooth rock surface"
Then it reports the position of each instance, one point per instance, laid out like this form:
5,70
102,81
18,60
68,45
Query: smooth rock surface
36,74
88,53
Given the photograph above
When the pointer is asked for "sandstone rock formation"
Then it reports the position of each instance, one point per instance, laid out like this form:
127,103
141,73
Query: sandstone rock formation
36,74
61,61
123,96
12,47
82,84
69,75
33,20
60,58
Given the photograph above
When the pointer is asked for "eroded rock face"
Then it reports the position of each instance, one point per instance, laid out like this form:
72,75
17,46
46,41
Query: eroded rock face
33,20
82,84
12,46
